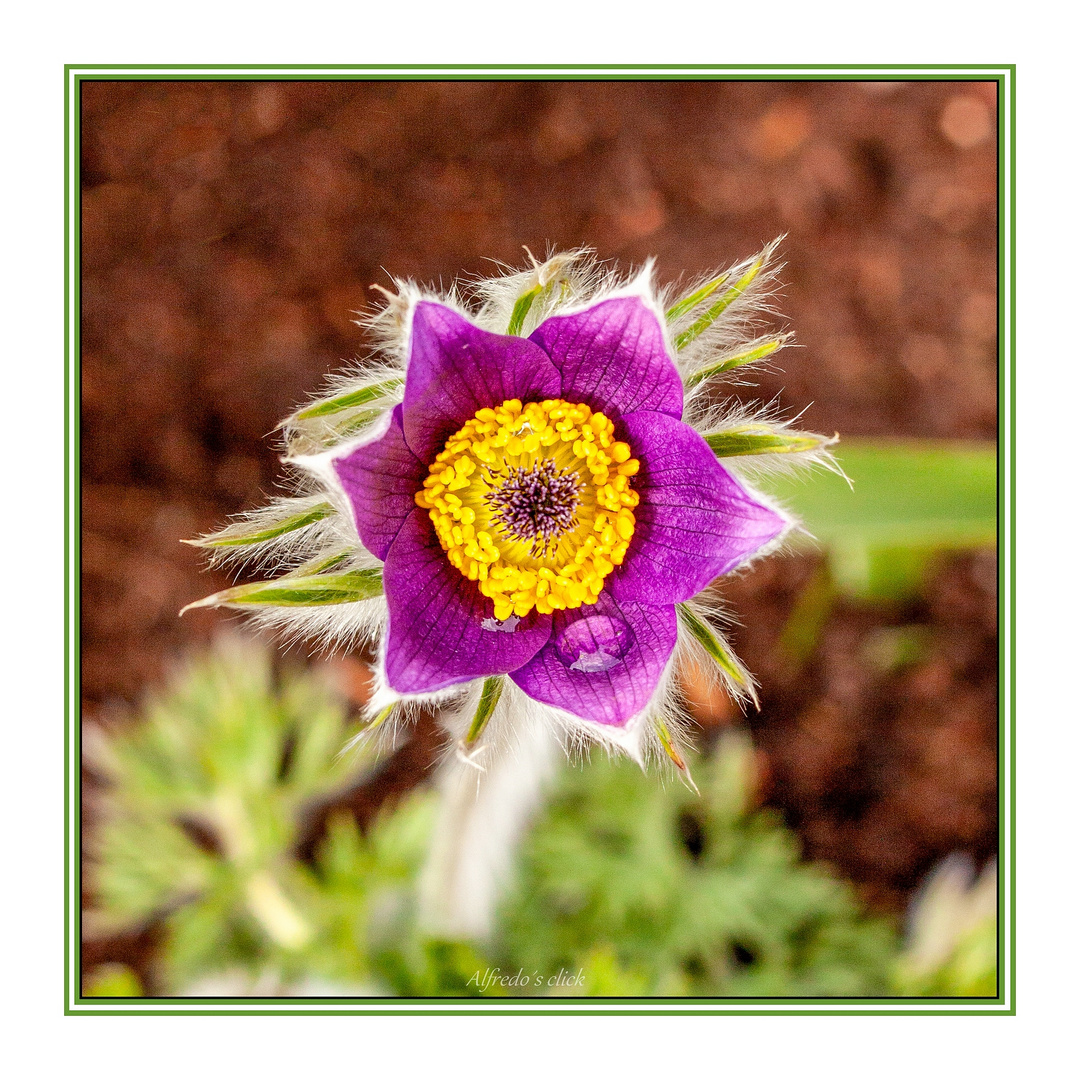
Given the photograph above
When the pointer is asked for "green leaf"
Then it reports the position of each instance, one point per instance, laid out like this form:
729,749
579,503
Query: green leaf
380,718
208,798
748,356
354,423
907,500
548,274
245,534
313,591
672,752
714,645
354,398
700,325
761,439
521,309
688,896
688,303
322,564
489,698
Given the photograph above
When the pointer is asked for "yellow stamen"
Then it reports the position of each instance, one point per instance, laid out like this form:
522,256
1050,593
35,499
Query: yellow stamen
533,502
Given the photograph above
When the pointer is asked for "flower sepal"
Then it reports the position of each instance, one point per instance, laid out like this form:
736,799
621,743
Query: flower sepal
743,440
313,590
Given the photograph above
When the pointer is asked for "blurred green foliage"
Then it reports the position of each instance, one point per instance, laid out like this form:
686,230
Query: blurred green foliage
113,981
205,803
906,501
952,938
627,886
653,890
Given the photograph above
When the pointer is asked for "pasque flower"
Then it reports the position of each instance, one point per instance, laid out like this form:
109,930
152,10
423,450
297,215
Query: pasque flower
542,505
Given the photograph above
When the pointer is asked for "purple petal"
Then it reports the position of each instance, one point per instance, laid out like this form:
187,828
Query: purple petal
613,358
442,630
694,522
603,660
455,368
381,479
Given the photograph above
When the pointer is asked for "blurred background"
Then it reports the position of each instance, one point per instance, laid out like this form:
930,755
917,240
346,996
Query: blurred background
231,231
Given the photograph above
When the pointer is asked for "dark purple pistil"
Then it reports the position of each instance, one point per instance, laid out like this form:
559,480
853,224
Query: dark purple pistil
535,505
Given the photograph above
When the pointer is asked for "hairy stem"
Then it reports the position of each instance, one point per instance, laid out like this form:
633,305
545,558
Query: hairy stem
482,816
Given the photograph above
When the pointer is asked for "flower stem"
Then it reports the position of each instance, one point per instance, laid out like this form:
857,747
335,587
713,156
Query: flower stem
482,814
489,698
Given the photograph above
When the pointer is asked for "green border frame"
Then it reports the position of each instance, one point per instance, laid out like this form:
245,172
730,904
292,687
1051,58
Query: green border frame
1005,1003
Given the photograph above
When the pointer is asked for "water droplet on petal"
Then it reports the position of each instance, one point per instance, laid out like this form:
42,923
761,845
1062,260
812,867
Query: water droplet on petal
501,626
595,643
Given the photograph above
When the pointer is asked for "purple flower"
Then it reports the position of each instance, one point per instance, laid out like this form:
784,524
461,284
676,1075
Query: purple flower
522,501
541,508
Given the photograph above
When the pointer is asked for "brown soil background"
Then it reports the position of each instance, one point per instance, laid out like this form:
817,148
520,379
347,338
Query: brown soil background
230,230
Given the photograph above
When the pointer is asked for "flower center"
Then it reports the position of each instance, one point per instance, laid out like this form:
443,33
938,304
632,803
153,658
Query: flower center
536,504
533,503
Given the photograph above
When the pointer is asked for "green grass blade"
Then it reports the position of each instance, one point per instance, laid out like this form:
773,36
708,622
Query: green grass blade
243,535
759,352
761,439
352,400
725,660
489,698
313,591
700,325
907,500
